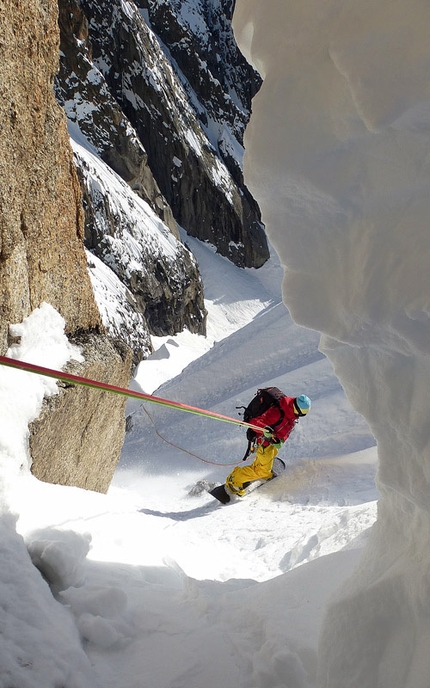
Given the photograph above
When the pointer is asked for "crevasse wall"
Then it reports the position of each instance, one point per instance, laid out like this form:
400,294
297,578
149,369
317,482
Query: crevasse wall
337,154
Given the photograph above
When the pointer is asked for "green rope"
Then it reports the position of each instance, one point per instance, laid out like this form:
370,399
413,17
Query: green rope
95,384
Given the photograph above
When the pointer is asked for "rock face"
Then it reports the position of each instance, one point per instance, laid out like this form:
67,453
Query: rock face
89,104
175,105
91,423
145,280
42,256
200,40
41,217
150,283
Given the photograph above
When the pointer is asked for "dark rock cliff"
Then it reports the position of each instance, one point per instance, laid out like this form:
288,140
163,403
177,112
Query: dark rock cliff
181,95
150,279
158,286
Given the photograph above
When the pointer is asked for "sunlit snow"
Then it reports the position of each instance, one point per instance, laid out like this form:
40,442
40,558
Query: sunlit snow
152,586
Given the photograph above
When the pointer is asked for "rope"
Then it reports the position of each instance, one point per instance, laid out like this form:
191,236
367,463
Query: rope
87,382
176,446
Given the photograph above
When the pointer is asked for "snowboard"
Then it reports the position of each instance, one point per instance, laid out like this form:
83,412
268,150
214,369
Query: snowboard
222,494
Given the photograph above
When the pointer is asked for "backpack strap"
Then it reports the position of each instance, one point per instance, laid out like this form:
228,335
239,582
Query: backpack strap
281,418
248,450
277,395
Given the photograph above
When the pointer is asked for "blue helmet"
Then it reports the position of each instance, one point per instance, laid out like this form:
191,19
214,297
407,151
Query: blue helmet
302,404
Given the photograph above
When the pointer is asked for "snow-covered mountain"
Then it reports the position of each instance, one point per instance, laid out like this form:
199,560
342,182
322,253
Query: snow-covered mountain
144,278
161,95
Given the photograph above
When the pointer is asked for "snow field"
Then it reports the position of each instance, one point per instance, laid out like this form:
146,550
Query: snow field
153,587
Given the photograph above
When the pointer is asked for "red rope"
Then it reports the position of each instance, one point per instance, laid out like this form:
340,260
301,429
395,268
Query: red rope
87,382
186,451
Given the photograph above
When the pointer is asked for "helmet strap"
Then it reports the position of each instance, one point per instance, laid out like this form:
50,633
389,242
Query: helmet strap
297,409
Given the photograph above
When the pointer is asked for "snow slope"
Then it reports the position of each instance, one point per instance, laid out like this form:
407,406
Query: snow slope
153,586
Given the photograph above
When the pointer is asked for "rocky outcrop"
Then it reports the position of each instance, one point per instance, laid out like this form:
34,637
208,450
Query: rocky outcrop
145,280
187,119
42,255
89,105
78,437
150,282
199,37
41,217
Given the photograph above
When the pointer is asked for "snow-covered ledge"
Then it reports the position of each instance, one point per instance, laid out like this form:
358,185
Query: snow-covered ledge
338,154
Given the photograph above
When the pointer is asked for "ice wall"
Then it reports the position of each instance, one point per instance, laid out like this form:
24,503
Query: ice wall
337,154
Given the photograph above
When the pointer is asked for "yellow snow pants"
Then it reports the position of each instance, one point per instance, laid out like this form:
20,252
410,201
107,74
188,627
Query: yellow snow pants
260,469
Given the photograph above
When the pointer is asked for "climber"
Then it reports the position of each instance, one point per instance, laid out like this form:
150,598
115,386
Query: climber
276,424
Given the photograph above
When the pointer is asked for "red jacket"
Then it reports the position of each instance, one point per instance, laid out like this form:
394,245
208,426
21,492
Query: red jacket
282,422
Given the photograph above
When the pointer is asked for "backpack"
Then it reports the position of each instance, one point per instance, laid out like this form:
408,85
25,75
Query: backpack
265,399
